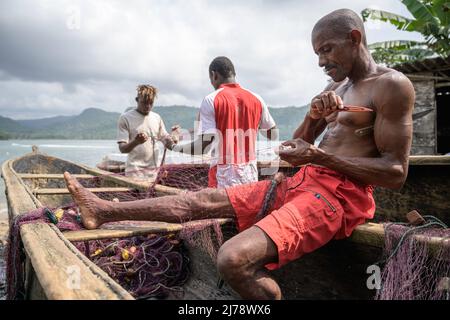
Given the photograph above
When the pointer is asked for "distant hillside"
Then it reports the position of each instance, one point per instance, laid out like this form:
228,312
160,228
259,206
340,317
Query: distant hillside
95,123
11,127
44,122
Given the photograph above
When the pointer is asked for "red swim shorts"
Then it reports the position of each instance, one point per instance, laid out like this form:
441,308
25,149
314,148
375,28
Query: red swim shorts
313,207
212,177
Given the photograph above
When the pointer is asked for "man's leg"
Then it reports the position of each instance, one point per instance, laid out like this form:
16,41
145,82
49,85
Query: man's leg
207,203
241,262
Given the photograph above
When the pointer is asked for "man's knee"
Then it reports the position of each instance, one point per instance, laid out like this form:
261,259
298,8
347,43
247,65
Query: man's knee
231,261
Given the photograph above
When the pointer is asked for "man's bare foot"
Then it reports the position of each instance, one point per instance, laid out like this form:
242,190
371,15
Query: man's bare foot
91,206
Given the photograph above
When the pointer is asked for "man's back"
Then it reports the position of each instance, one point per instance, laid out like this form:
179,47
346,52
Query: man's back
234,115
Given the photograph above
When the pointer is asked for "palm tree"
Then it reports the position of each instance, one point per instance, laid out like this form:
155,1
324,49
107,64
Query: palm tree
431,19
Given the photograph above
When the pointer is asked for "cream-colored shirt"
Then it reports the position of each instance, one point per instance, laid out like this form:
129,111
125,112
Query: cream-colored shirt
142,160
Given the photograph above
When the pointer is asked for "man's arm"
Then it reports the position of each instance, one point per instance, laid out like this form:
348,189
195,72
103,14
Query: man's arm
271,134
196,147
267,125
123,136
310,129
125,147
394,100
314,122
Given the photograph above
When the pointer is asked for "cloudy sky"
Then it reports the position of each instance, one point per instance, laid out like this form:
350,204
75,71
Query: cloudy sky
60,57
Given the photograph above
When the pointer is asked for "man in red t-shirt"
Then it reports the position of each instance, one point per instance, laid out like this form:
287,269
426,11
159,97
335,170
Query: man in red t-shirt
230,117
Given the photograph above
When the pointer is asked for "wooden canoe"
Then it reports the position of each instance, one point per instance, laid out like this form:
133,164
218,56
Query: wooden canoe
336,271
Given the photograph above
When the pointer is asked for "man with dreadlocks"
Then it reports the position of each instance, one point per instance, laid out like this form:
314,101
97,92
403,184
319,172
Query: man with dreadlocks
332,192
138,131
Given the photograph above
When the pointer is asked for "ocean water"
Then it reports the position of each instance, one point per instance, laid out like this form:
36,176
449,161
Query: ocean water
91,152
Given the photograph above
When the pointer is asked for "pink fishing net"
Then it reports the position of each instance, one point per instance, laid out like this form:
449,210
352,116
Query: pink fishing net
414,270
150,266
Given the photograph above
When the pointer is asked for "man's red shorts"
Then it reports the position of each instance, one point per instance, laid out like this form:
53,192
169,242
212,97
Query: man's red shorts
313,207
212,177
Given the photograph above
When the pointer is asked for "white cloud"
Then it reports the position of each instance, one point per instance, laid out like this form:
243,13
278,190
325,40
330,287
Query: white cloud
61,57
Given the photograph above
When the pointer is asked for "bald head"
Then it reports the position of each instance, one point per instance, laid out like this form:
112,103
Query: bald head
340,23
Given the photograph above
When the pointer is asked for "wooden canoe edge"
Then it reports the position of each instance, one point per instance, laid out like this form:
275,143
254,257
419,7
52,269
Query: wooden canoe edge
101,286
62,271
372,234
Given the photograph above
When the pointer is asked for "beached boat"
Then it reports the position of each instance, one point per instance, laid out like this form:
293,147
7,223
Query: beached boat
336,271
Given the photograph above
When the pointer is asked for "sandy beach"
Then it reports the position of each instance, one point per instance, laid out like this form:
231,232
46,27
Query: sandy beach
3,237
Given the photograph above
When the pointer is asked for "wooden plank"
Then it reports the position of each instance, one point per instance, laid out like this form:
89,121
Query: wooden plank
52,176
372,234
429,160
17,195
144,228
420,160
59,276
41,191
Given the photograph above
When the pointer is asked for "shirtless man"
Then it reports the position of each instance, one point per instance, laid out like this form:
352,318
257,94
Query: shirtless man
329,196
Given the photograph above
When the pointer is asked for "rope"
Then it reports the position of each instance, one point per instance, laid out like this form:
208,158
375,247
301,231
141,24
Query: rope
268,200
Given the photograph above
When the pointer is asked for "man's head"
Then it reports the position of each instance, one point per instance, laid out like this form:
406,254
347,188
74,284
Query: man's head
145,98
337,39
221,70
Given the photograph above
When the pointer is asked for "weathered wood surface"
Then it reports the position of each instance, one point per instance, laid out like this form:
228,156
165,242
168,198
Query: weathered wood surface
141,228
41,191
50,254
415,160
425,190
52,176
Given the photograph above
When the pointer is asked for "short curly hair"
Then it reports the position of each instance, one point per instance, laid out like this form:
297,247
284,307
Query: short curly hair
223,66
148,92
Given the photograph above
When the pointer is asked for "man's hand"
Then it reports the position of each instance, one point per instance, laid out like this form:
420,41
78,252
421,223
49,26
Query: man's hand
325,104
169,142
297,152
141,138
176,131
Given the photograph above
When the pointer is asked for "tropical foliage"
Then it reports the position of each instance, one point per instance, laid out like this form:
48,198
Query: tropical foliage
431,18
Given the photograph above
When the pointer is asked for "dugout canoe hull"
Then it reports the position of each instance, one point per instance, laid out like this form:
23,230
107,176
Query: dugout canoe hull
336,271
35,180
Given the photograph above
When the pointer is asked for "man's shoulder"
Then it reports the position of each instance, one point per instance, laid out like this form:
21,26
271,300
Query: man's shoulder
129,112
388,76
154,116
394,88
213,94
254,95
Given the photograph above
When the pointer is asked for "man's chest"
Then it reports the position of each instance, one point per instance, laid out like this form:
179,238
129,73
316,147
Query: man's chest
361,96
150,128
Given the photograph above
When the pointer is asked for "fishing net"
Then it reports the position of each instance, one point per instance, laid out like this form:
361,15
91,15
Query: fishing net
416,262
150,266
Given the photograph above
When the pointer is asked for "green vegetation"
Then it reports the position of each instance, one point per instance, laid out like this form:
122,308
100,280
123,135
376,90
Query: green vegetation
3,136
431,19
